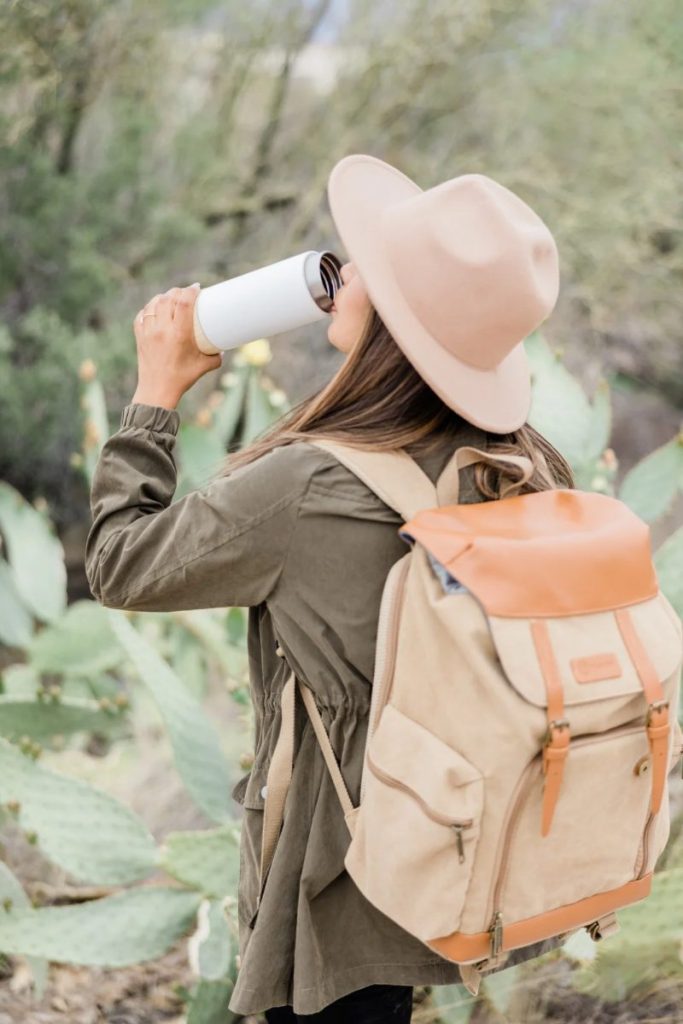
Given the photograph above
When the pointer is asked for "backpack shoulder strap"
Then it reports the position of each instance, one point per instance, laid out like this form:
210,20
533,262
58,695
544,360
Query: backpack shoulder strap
448,484
394,476
400,482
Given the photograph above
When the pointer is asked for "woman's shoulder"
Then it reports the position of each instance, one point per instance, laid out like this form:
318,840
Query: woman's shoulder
312,470
329,477
320,472
313,466
285,469
306,459
300,459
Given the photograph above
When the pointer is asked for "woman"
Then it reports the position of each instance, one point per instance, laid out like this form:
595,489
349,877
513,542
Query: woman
462,272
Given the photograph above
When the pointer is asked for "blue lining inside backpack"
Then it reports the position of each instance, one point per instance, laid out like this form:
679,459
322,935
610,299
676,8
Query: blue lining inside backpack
448,582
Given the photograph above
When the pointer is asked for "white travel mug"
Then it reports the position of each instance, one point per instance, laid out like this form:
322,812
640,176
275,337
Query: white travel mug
279,297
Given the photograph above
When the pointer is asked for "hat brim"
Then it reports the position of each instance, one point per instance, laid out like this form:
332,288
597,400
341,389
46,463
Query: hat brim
360,187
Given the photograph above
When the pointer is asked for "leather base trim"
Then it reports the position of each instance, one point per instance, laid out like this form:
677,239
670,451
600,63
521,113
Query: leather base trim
461,948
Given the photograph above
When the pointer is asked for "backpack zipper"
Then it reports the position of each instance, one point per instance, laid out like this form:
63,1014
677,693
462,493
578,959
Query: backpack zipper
644,846
458,824
526,779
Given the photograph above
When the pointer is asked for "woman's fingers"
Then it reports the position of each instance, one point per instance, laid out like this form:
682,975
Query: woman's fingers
172,309
148,311
164,308
185,301
184,310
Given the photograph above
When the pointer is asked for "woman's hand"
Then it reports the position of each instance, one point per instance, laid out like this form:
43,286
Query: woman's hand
169,360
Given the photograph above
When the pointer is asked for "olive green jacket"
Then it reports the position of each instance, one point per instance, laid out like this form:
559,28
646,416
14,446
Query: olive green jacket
306,546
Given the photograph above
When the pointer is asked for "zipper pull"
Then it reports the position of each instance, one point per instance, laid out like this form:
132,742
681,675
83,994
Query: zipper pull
496,933
458,836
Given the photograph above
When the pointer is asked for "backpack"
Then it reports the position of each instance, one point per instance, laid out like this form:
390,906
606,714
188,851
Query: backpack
523,717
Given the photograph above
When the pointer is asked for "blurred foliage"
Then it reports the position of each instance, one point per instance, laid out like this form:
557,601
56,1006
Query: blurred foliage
148,144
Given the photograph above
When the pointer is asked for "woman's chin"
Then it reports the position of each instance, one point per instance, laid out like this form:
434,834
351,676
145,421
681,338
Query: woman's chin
340,343
331,335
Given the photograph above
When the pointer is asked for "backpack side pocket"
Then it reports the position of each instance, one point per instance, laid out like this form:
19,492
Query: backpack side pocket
417,829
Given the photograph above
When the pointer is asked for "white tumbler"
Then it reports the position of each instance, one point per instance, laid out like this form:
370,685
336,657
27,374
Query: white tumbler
279,297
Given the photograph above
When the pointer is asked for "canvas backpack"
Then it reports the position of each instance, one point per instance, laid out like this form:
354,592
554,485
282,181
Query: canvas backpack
523,717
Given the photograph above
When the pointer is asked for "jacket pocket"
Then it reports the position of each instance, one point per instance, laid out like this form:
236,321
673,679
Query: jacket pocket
418,827
237,791
248,791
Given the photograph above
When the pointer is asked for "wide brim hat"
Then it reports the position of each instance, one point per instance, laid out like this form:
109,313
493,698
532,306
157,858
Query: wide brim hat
460,274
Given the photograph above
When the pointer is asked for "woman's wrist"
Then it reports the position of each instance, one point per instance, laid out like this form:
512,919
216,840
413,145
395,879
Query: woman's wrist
154,396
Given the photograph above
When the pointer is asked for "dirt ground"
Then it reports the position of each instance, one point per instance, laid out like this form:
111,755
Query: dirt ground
149,994
144,994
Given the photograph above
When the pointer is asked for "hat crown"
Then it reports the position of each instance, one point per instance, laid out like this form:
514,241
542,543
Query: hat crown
477,265
460,274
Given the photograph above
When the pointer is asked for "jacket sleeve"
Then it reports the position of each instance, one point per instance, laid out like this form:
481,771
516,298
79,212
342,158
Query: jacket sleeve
221,546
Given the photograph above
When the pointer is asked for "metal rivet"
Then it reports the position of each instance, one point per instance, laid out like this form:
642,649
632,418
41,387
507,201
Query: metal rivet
641,766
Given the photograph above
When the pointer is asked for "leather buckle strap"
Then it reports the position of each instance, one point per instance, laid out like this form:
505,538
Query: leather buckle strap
658,735
658,707
555,752
653,707
556,723
557,735
556,745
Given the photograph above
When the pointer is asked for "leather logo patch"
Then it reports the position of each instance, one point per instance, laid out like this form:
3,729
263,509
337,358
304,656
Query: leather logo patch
595,667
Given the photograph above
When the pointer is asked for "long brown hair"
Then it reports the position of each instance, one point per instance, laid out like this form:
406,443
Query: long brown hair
378,400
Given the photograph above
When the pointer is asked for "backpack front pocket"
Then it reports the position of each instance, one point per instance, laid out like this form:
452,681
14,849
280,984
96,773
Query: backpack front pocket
417,828
600,839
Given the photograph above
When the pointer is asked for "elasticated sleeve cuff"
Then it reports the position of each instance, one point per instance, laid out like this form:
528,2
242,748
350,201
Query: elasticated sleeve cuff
151,417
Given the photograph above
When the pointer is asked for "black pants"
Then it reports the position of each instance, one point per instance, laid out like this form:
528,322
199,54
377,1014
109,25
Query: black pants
375,1004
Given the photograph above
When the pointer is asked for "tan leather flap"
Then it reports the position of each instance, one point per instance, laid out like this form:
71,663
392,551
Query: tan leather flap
555,552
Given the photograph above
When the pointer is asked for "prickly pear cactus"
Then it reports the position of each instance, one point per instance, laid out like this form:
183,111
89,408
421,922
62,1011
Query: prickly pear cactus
41,721
34,556
212,948
80,828
207,861
13,896
115,931
196,744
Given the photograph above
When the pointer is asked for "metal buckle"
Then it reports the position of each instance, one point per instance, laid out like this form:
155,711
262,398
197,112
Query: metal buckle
560,723
654,706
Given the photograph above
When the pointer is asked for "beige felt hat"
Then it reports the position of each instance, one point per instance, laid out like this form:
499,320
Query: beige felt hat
460,274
